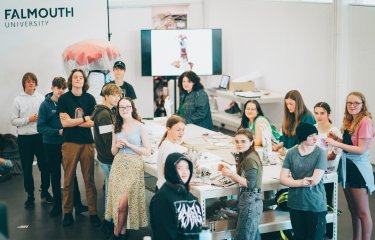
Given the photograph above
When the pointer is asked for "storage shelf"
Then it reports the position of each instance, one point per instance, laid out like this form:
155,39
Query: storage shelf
271,221
270,98
226,120
232,121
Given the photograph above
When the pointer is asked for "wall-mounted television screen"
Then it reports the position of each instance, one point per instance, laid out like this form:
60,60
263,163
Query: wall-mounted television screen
172,52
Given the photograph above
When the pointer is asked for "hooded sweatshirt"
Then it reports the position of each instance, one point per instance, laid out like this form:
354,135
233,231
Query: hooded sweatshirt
175,213
49,123
103,125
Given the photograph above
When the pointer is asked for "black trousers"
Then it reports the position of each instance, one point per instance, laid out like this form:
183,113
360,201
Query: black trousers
308,225
54,158
329,193
30,146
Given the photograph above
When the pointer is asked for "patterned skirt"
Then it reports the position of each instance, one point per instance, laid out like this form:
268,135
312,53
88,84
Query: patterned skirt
127,177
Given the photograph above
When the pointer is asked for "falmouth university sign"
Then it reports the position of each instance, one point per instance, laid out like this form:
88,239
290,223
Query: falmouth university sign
34,17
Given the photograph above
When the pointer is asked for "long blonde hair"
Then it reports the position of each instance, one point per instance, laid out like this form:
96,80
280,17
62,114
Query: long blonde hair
350,123
172,120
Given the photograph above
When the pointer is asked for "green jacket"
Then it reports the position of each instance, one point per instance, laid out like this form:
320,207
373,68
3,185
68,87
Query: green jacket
195,108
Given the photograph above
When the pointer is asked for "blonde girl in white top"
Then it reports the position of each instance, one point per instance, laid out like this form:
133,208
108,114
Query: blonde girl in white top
170,143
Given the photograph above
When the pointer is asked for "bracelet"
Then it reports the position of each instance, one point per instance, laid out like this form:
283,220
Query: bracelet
84,119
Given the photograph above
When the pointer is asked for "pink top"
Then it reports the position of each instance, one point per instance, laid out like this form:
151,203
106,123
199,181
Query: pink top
364,131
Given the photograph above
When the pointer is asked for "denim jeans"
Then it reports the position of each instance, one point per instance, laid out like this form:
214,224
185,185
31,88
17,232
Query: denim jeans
250,208
106,168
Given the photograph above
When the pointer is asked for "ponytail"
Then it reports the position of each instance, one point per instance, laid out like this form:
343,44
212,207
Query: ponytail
172,120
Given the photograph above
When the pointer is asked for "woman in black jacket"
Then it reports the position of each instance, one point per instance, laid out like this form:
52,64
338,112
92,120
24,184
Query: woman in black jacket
175,213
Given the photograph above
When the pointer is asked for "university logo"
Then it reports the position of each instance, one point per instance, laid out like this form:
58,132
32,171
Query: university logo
34,17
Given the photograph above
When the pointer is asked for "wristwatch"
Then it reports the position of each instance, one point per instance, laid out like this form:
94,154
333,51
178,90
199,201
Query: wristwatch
84,119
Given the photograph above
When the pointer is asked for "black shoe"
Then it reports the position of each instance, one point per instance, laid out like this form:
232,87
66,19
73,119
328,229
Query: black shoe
68,219
46,197
81,209
55,211
95,221
107,228
30,202
114,237
125,236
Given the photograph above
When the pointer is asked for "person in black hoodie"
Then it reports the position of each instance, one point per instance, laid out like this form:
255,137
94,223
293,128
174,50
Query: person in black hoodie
182,215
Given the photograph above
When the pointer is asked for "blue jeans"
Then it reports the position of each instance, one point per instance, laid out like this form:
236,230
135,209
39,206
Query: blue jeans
250,208
106,168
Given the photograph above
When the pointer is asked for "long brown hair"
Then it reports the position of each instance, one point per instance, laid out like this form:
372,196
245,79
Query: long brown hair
119,120
246,132
172,120
86,85
350,123
291,120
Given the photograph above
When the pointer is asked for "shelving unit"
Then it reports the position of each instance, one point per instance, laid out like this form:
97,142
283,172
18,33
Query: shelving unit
232,121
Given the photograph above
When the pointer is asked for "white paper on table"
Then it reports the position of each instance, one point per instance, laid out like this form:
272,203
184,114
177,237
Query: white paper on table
249,94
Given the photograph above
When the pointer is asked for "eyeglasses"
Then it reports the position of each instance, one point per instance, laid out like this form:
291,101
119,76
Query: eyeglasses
355,104
241,141
125,107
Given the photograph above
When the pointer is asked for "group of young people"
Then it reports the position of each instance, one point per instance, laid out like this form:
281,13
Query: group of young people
57,130
312,145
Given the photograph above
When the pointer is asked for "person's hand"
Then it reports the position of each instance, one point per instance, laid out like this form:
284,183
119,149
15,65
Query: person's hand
33,117
332,135
330,141
276,147
227,172
121,143
282,151
64,116
306,182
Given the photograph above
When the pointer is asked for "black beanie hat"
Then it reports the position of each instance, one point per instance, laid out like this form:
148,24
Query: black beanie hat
304,130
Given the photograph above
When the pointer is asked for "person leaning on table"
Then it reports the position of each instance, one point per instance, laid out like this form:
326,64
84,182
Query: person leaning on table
302,172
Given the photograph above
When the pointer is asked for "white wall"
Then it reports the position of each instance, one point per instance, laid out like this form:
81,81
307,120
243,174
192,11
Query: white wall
39,49
361,55
290,43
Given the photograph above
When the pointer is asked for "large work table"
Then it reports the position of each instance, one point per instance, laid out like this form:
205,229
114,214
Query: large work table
217,147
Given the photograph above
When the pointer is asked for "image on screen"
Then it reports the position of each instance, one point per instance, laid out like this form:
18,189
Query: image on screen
172,52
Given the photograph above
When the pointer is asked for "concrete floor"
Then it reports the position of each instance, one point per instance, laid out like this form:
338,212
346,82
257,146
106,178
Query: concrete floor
41,226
